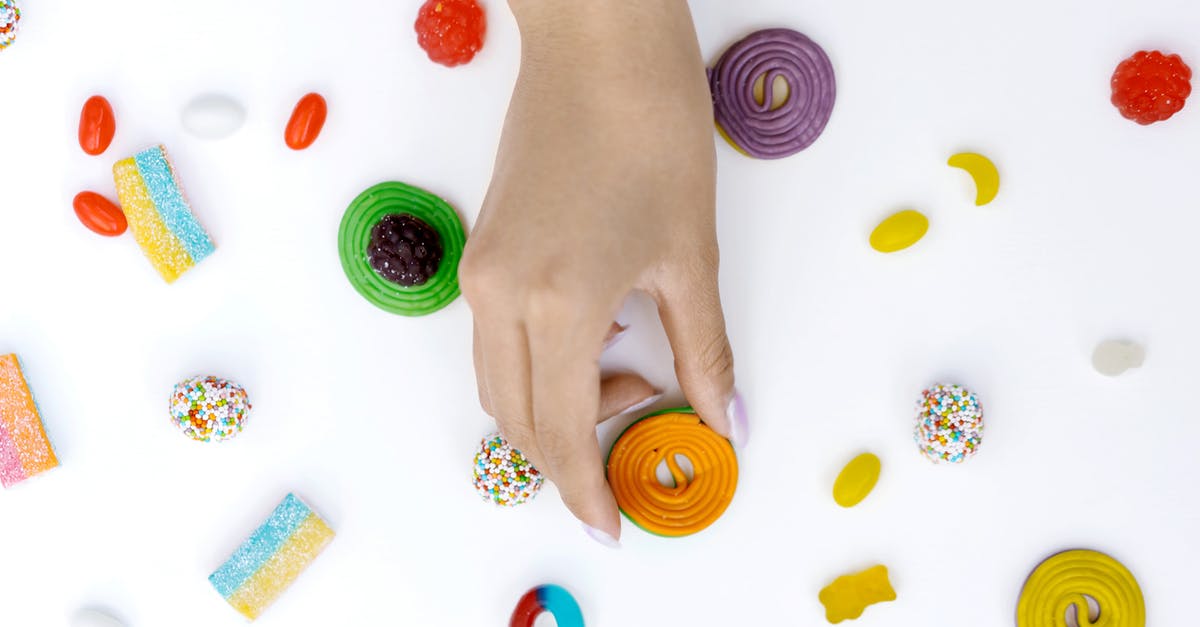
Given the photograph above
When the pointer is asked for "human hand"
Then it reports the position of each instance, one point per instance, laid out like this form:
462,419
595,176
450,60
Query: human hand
604,182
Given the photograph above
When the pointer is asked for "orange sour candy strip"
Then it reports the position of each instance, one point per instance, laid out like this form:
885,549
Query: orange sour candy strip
693,504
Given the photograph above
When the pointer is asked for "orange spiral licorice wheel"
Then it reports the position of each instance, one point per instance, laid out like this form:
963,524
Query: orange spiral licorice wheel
693,504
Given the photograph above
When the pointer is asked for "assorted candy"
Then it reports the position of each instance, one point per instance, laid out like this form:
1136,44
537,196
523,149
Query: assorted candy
356,241
10,19
949,424
451,31
856,480
752,122
502,474
25,450
400,247
272,557
161,218
212,116
97,125
849,595
551,599
1150,87
1066,579
982,171
899,231
209,409
308,118
691,504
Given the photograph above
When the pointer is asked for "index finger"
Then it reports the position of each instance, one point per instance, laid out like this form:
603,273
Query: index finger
566,398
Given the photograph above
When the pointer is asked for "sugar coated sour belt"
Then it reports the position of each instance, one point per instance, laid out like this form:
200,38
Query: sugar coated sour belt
550,598
754,124
272,557
25,450
354,243
692,504
159,215
1067,578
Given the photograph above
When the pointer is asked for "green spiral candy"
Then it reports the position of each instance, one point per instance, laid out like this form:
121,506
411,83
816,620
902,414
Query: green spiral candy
354,236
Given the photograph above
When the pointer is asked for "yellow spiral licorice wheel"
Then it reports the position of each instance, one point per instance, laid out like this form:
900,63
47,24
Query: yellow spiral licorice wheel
692,504
1067,579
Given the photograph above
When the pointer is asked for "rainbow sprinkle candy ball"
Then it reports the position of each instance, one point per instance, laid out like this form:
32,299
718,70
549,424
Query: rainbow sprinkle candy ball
949,425
10,18
503,475
209,409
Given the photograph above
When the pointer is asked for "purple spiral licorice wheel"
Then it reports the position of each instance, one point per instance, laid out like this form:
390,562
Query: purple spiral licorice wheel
755,127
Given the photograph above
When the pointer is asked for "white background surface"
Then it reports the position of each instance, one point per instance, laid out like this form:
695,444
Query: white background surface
372,417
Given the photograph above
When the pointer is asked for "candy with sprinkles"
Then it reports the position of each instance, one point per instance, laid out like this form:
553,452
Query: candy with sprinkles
209,409
10,19
503,475
949,424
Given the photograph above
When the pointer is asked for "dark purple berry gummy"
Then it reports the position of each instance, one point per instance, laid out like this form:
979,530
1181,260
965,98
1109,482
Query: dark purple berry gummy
404,250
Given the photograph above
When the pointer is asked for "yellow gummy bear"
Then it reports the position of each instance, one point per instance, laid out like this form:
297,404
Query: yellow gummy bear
849,595
856,480
982,171
899,231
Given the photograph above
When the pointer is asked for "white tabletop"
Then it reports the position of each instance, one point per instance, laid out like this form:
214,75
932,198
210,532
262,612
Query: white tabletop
372,417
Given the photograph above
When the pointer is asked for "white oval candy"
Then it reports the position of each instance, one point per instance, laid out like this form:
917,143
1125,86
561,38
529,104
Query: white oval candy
1113,357
213,116
94,618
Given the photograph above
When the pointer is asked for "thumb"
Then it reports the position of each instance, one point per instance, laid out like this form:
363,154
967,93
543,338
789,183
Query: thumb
695,325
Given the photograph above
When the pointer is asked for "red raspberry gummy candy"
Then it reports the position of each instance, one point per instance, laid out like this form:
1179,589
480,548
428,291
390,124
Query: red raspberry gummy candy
451,31
1150,86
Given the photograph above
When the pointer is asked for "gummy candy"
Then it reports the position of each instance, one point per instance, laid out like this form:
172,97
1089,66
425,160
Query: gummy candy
451,31
982,171
272,557
849,595
1150,87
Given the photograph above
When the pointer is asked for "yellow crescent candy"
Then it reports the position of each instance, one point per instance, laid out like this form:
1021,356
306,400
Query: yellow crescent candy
856,480
1069,578
899,231
983,171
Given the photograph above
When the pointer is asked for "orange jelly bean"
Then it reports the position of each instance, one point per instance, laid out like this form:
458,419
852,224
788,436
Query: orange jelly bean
97,125
307,120
99,214
692,504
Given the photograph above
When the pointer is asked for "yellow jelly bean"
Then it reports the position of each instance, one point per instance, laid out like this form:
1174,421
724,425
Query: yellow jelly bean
982,171
849,595
899,231
856,480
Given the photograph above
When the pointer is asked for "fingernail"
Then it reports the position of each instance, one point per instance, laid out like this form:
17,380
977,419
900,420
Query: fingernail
739,423
640,405
601,537
616,337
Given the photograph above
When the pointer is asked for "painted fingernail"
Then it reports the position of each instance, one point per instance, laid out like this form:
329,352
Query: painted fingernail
640,405
601,537
739,423
615,337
